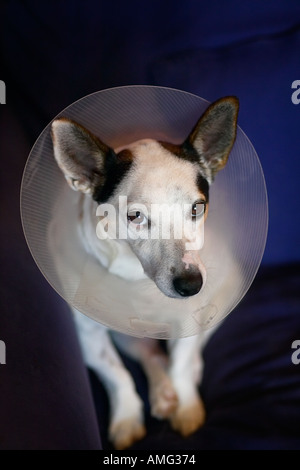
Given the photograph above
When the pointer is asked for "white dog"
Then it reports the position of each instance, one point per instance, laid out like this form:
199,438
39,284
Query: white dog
148,173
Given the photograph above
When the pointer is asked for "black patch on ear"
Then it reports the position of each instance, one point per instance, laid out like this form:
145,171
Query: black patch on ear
190,153
203,186
115,168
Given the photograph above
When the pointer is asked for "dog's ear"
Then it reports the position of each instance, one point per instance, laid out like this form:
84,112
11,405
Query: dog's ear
215,132
79,154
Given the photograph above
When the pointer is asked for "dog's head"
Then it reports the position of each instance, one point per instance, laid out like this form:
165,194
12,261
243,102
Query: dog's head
159,192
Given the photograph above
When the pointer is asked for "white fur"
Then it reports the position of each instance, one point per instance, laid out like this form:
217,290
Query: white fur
157,176
173,379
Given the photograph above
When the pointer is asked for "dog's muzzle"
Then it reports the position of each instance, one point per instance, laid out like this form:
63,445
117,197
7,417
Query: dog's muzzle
189,284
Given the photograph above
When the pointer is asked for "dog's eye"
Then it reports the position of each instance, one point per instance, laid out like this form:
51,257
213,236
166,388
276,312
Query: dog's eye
137,218
198,209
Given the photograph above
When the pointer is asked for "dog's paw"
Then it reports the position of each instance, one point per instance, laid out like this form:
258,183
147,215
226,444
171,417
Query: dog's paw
124,433
188,418
163,399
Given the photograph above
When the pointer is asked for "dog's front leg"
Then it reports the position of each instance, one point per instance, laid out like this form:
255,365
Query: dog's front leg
154,361
185,371
126,421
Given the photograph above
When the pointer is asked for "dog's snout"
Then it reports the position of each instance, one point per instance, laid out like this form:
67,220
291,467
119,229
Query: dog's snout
188,285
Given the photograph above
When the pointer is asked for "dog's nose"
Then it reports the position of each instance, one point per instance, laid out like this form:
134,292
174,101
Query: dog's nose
189,284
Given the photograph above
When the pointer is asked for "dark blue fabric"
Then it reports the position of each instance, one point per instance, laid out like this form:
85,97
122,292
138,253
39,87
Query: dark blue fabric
260,71
251,387
45,398
53,53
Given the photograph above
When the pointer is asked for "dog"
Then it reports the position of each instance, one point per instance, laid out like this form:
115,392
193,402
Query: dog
147,172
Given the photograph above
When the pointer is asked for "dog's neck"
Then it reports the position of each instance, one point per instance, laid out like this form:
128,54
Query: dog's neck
113,254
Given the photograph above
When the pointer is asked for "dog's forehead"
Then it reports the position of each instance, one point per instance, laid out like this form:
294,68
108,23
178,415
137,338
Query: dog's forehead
160,173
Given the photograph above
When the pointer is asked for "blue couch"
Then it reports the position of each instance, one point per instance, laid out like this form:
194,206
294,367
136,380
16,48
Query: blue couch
53,53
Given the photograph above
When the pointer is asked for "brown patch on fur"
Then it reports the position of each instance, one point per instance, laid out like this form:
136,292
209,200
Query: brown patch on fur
125,155
173,148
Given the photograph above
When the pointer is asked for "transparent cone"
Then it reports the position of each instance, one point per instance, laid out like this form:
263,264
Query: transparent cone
235,229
